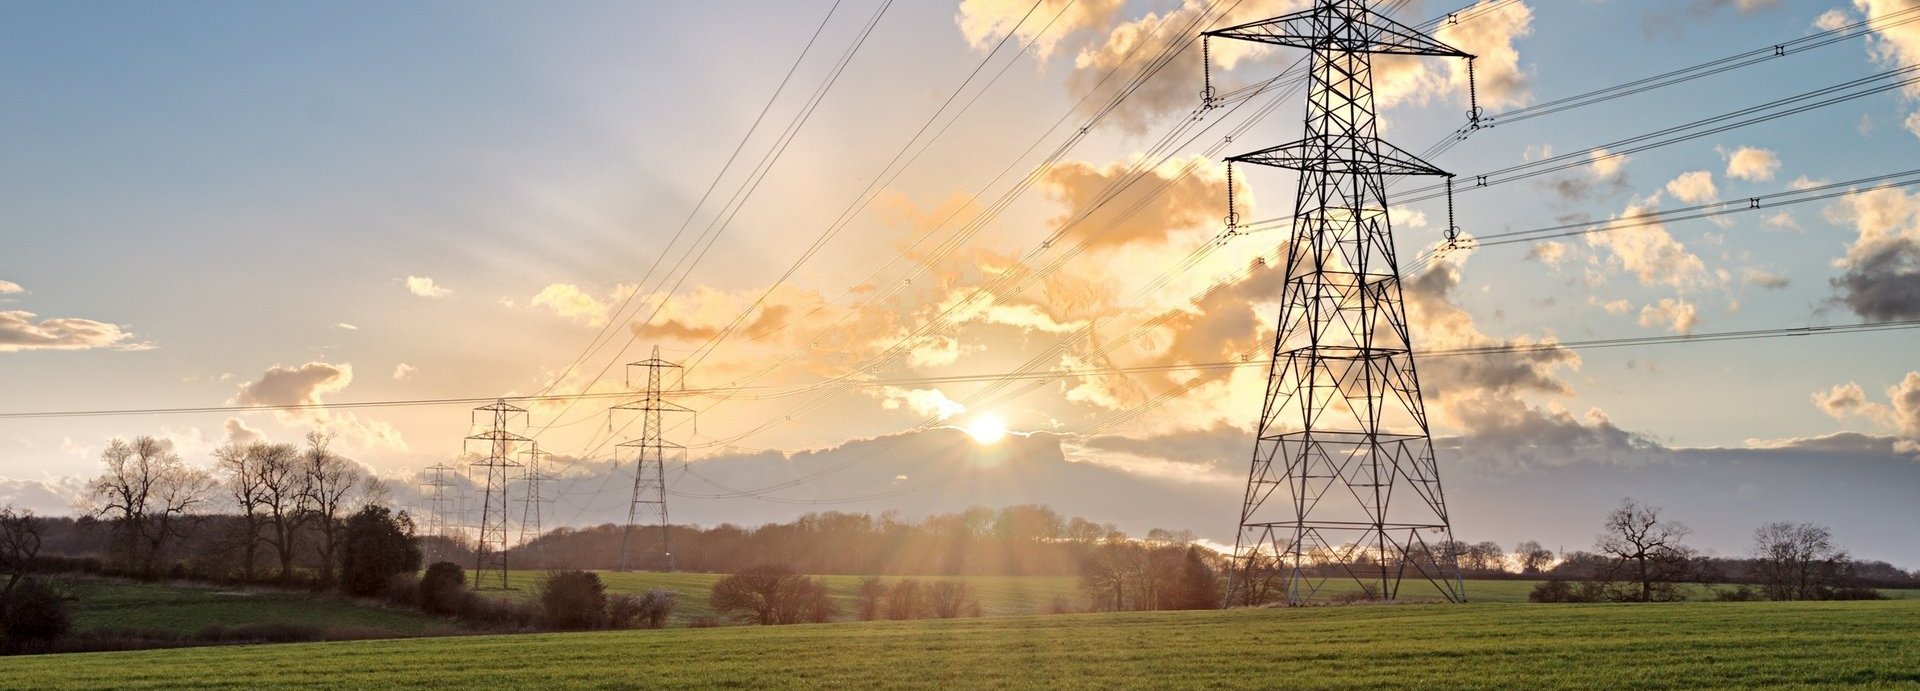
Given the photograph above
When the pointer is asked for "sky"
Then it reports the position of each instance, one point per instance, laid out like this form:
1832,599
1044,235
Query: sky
219,205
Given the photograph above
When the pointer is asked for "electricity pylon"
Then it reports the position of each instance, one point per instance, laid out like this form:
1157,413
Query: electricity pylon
438,503
1342,429
533,496
650,454
490,553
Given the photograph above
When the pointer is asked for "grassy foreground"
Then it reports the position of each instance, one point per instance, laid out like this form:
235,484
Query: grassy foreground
1678,646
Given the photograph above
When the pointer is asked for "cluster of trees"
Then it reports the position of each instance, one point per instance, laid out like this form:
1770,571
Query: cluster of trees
909,598
287,502
1126,575
1013,541
32,610
1643,556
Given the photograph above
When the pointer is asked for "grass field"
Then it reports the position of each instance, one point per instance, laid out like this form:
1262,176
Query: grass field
185,609
999,595
1677,646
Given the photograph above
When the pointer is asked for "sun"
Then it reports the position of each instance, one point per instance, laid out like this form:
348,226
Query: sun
986,429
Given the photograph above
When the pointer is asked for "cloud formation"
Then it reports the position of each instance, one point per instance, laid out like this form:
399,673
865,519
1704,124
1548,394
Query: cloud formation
425,287
1694,188
1880,278
1678,316
1900,414
984,22
1749,163
303,388
21,330
1649,252
568,300
1152,205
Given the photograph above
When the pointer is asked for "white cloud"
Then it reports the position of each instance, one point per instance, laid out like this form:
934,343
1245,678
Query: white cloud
1694,188
1832,20
9,288
1764,279
567,300
425,287
346,326
1749,163
984,22
20,331
402,372
1650,252
931,402
305,387
1678,316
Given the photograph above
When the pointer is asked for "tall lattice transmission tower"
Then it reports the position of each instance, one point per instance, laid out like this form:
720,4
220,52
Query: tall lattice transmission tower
441,503
650,460
498,445
533,496
1342,430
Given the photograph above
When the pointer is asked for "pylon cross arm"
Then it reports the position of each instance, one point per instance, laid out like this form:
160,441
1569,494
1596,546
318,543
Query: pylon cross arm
1341,26
1315,155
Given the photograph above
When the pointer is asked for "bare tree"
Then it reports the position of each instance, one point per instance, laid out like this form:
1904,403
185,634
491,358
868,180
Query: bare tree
149,491
331,481
1531,557
952,599
1650,550
236,463
19,544
281,499
1796,561
773,595
1483,557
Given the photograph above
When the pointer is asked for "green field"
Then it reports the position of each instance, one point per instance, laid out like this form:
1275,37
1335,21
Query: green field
185,609
999,595
1676,646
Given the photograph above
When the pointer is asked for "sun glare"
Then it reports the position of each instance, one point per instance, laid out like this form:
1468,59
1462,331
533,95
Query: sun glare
987,429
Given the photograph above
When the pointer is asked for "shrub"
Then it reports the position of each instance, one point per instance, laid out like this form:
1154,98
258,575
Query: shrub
378,546
403,589
656,607
871,595
952,599
34,612
443,590
1742,593
573,599
772,594
1562,590
905,600
1854,593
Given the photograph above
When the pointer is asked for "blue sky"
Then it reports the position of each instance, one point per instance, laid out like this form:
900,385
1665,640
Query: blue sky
220,191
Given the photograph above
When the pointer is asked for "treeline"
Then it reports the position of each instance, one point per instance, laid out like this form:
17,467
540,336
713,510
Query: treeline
1022,540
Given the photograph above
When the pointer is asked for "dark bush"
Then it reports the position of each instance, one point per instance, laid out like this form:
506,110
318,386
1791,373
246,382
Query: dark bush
1854,593
1742,593
649,610
444,589
34,611
573,599
378,547
403,590
1562,590
870,597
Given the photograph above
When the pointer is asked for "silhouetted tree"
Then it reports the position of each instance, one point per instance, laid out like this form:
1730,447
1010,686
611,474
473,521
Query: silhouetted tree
1796,561
330,482
1648,550
1531,557
1198,587
19,544
148,492
378,546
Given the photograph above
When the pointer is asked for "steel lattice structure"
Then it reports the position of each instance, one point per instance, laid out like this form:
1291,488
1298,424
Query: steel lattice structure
1342,429
533,497
438,502
650,456
490,552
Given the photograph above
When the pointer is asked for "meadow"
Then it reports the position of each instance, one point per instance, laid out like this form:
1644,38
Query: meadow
1488,645
183,609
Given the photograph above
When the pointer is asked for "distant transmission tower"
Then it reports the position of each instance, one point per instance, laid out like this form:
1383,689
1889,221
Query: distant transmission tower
440,504
650,455
490,553
532,496
1342,430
